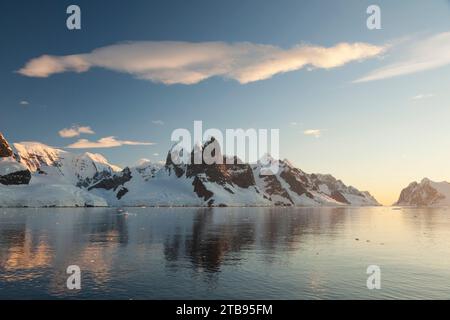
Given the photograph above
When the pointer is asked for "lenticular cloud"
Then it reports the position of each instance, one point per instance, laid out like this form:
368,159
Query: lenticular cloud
172,62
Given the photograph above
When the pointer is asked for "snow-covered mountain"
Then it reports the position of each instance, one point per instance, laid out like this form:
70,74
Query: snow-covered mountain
62,167
35,175
427,193
61,178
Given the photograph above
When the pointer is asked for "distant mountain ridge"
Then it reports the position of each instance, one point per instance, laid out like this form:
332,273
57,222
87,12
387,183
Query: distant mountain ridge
61,178
427,193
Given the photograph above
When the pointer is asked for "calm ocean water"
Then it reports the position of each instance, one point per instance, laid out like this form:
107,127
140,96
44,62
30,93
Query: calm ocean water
225,253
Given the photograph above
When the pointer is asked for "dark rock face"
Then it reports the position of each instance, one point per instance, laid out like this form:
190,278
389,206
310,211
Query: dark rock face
233,174
241,175
15,178
114,182
170,165
221,173
336,195
237,173
123,191
297,186
274,188
102,175
200,189
5,149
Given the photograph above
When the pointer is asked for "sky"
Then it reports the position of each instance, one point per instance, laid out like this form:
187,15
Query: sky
370,107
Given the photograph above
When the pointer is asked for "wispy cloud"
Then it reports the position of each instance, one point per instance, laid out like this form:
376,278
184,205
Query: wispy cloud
75,131
24,103
171,62
313,132
422,96
416,55
107,142
158,122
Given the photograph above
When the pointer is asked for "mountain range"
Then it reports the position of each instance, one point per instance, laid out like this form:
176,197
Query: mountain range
36,175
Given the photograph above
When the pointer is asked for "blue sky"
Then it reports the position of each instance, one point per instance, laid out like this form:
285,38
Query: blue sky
376,135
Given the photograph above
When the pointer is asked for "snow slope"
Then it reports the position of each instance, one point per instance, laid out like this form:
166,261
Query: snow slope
54,165
47,195
9,165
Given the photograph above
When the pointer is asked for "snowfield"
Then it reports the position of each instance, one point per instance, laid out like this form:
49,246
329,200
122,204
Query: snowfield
52,195
10,165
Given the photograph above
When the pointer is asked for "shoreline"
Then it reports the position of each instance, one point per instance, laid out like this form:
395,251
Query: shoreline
194,207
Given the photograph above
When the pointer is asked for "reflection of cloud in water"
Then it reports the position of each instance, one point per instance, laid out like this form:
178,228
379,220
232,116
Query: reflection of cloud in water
21,259
45,243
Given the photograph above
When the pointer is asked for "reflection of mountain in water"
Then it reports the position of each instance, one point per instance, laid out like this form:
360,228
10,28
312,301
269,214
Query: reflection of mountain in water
220,237
220,253
40,244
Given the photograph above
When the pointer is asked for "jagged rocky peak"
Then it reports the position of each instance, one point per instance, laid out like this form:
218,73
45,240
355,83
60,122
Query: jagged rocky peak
267,165
179,156
209,152
11,171
212,173
208,163
176,160
5,149
427,193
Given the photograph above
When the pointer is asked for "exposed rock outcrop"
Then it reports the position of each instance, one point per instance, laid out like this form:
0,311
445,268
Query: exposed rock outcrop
15,178
114,182
5,149
11,171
